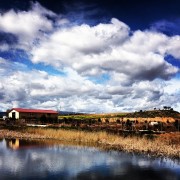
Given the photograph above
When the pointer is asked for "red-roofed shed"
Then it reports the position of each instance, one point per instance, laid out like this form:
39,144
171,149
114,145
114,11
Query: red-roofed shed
35,114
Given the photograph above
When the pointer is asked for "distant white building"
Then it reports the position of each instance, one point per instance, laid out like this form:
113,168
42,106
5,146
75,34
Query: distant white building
4,118
20,113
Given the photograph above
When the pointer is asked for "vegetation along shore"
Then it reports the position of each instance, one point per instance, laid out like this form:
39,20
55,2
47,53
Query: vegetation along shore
155,132
167,144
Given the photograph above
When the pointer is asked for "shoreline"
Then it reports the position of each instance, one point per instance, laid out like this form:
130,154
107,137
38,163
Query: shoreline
160,146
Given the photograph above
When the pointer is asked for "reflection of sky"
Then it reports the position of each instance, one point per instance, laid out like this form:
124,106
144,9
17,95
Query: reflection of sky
67,162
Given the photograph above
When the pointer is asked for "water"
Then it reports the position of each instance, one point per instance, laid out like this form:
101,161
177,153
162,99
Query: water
45,160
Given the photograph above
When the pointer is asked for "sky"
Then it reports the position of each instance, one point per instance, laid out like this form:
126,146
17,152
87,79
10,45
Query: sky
90,56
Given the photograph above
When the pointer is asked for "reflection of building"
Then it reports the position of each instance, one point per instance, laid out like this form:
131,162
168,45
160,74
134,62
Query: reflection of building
13,144
16,144
20,113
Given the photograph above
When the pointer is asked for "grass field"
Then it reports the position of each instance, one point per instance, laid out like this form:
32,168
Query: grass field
141,116
92,116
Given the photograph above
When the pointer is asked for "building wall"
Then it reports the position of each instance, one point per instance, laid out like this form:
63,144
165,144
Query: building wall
37,115
10,115
32,116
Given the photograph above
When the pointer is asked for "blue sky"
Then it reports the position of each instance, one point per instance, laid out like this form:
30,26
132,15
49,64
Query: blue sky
90,56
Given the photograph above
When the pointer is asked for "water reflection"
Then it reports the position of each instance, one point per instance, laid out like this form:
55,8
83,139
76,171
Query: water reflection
13,143
36,160
16,144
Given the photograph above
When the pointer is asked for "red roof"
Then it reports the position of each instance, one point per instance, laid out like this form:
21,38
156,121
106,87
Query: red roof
35,111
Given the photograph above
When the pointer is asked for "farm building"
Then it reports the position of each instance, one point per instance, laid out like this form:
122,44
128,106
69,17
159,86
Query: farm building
35,114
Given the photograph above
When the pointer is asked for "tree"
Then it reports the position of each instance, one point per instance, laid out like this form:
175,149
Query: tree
165,107
177,124
99,120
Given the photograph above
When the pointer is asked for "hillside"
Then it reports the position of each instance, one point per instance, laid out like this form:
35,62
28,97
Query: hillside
154,113
141,116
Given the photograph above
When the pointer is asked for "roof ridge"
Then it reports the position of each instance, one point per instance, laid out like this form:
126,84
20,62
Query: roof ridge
35,110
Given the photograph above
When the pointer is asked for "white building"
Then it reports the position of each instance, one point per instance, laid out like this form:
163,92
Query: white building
20,113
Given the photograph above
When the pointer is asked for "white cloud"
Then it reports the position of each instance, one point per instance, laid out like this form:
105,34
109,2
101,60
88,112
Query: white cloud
80,46
106,67
28,26
143,42
39,89
72,92
108,47
174,47
172,86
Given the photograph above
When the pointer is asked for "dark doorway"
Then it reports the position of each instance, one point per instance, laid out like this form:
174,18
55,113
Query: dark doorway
13,115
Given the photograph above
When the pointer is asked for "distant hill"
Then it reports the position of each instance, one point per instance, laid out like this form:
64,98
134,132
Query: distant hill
63,113
154,113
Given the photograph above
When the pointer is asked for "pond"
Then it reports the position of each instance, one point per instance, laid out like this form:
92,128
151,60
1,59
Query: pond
46,160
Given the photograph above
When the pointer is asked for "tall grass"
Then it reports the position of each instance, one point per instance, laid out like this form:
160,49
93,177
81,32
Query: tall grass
160,146
71,135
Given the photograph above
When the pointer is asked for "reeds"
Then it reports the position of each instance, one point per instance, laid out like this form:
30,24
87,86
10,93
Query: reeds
71,135
163,145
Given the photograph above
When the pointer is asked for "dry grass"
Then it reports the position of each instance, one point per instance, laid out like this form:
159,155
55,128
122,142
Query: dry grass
70,135
163,145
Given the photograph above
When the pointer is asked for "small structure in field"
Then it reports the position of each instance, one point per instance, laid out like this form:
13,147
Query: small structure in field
33,114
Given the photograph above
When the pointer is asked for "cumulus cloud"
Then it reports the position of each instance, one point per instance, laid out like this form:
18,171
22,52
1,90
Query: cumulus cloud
174,46
26,25
70,45
109,47
106,67
39,89
72,92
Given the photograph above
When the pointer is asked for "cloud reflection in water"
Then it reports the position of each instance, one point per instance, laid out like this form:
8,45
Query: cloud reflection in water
73,162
